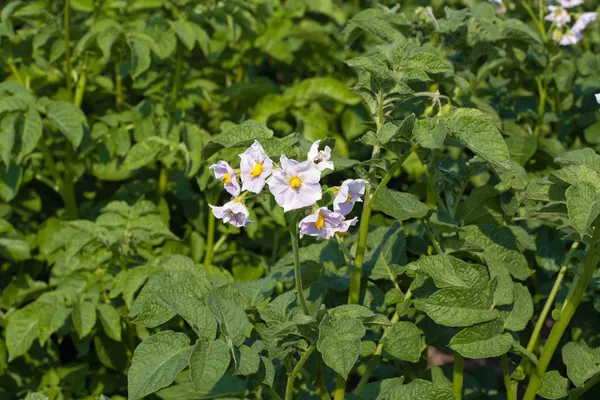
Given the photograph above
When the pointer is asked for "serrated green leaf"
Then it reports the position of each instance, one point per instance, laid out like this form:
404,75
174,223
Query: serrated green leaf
111,321
22,330
399,205
482,341
339,343
476,131
239,135
448,271
458,306
32,132
141,154
554,386
84,318
68,119
403,341
582,205
185,32
208,363
156,362
580,362
231,317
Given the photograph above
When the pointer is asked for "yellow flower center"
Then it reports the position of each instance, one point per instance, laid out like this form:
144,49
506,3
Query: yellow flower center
227,178
237,200
349,198
320,222
257,169
295,183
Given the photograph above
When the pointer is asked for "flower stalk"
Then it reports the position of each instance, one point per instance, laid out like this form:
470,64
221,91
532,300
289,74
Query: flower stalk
293,226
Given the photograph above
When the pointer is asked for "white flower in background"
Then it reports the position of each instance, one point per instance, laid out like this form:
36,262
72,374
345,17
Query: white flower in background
570,38
255,167
320,157
225,173
350,192
569,3
598,98
233,212
559,16
296,184
583,21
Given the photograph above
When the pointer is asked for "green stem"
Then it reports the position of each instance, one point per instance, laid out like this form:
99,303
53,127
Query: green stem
118,86
80,90
210,239
510,393
320,384
538,23
577,393
289,389
220,242
431,187
15,71
363,230
374,362
68,184
566,314
292,223
163,180
434,241
271,392
68,68
458,375
340,388
177,77
542,105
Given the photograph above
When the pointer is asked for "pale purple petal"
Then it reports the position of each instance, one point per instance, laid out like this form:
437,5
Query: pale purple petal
350,192
252,160
330,222
233,212
559,16
314,151
320,158
583,21
598,98
345,225
291,198
570,3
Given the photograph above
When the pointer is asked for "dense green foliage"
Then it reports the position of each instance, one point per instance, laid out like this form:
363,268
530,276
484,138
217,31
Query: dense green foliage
476,238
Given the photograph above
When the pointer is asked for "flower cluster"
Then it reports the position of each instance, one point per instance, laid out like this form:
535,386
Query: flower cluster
560,17
294,184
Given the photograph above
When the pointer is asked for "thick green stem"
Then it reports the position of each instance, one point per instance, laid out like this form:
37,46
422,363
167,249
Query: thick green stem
118,86
163,180
177,77
210,239
431,236
538,23
541,106
15,71
566,314
68,184
458,375
340,388
293,225
510,393
363,231
320,384
68,68
289,389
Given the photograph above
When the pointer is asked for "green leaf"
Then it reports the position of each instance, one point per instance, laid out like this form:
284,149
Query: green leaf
580,362
384,258
482,341
313,89
84,318
7,137
141,154
399,205
35,396
13,103
237,136
32,132
339,343
522,309
68,119
185,32
208,363
140,56
231,317
111,321
457,306
417,389
403,341
477,131
246,360
156,362
448,271
554,386
22,330
581,206
430,132
10,181
52,317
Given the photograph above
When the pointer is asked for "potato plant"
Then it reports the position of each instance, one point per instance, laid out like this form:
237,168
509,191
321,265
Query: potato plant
329,199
